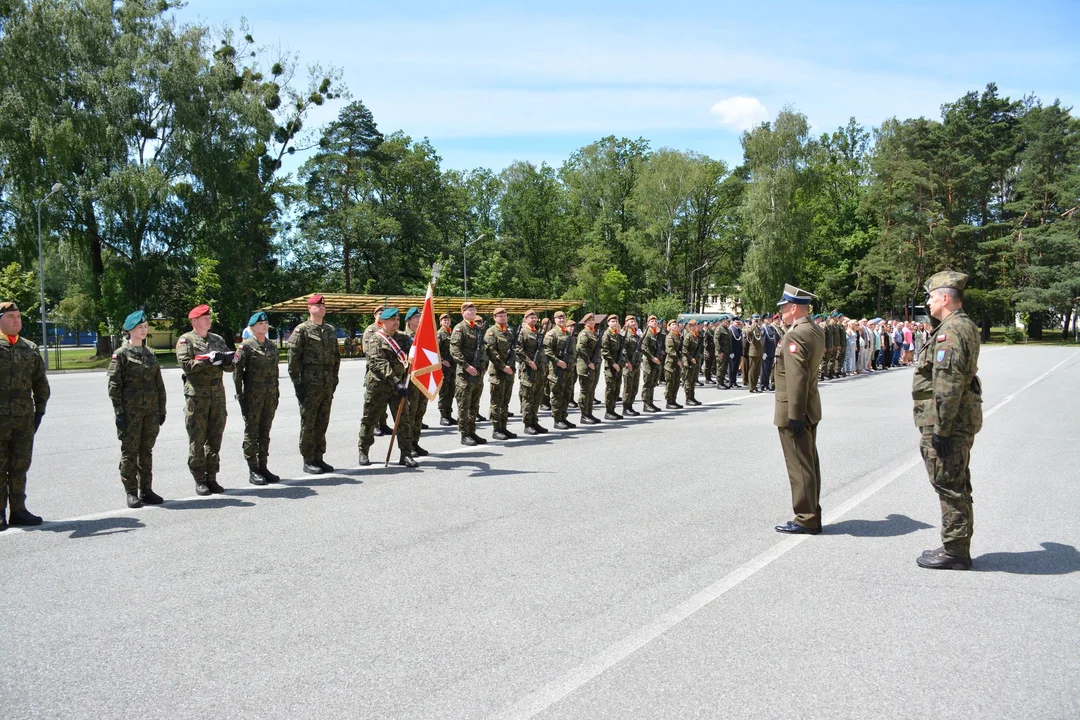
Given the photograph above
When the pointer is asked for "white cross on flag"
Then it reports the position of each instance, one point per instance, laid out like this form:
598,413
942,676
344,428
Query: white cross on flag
427,367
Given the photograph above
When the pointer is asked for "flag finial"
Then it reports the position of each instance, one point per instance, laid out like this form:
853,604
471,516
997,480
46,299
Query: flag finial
436,271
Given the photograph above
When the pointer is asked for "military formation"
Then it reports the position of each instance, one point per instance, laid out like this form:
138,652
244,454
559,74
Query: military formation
788,353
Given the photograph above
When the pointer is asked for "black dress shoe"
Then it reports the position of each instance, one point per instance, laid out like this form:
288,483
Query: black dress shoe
326,467
312,469
530,430
149,497
133,501
793,528
201,489
468,440
941,560
479,440
539,428
364,460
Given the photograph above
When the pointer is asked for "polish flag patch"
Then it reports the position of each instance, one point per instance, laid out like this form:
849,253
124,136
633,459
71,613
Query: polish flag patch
793,347
941,338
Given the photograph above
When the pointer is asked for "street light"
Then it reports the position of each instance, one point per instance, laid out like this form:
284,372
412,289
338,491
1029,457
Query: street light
57,187
693,290
464,262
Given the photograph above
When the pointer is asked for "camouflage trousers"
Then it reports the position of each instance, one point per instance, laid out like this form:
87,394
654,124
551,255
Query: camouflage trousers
530,395
709,367
137,451
259,411
587,392
501,390
314,420
689,381
630,382
468,395
612,388
204,417
561,389
671,385
418,403
16,449
379,397
446,392
649,380
951,479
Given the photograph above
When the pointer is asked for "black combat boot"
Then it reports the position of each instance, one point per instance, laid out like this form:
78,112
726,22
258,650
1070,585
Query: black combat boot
468,440
270,477
481,418
149,497
479,440
254,477
447,421
364,459
23,518
133,501
612,415
407,461
510,435
939,559
418,451
499,434
311,468
630,412
326,467
530,430
211,482
201,488
539,428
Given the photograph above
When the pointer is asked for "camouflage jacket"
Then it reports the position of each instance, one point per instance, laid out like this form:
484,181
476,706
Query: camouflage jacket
946,390
497,346
24,389
630,345
385,363
555,342
527,346
256,368
609,349
201,377
464,341
671,352
691,343
313,355
585,350
135,384
722,338
797,367
650,348
443,337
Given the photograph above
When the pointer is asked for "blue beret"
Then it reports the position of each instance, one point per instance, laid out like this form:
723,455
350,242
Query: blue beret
388,313
412,311
257,317
136,318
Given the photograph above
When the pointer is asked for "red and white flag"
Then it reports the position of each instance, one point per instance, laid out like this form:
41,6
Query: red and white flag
426,365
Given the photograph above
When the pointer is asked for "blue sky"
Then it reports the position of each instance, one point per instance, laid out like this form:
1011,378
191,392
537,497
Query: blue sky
490,83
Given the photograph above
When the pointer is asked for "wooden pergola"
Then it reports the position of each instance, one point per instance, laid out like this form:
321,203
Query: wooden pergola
365,304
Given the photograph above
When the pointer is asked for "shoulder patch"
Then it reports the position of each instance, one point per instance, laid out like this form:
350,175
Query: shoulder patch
183,341
941,338
941,355
793,347
114,356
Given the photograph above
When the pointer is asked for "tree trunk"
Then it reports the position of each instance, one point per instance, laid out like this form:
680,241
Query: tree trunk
1035,326
1070,318
97,272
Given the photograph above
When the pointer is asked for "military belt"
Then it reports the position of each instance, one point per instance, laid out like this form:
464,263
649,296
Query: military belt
139,385
923,395
207,383
13,394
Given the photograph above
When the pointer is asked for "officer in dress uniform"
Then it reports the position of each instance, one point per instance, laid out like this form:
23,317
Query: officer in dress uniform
769,339
735,359
798,409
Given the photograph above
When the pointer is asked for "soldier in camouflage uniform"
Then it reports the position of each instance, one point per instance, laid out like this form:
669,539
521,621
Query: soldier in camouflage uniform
387,386
256,380
446,390
545,403
673,365
690,353
652,361
383,428
467,349
613,352
558,349
533,366
948,412
632,340
138,397
587,372
24,392
418,401
204,357
500,346
314,363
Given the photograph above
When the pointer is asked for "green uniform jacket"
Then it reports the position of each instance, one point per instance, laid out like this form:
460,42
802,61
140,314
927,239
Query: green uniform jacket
256,368
586,348
723,341
135,384
798,361
463,343
554,348
384,362
650,348
313,355
630,341
201,378
527,345
946,388
609,349
671,352
753,341
24,389
443,337
497,346
690,348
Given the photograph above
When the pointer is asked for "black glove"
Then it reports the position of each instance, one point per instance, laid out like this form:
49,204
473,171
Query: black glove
37,420
942,445
121,422
228,358
161,420
797,427
402,388
301,392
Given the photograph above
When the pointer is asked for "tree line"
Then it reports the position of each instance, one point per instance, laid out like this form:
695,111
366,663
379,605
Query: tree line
169,138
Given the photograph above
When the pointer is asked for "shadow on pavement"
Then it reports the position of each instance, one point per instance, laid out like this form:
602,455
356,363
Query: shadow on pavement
291,492
1053,559
209,503
482,469
325,481
892,526
92,528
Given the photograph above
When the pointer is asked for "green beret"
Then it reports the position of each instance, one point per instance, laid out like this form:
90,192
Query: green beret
136,318
257,317
388,313
947,279
412,311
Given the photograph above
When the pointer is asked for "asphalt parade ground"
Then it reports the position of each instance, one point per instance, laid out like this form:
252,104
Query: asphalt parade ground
625,571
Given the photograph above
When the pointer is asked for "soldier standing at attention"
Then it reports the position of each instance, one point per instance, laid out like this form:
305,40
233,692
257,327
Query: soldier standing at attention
497,341
466,347
691,342
827,356
769,339
386,386
632,372
736,352
533,366
313,368
587,372
545,403
418,401
369,331
613,353
24,392
754,344
948,412
710,353
204,357
138,397
652,361
798,409
672,365
446,390
559,370
722,341
256,379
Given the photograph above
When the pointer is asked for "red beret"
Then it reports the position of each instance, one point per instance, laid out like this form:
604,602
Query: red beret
315,300
198,311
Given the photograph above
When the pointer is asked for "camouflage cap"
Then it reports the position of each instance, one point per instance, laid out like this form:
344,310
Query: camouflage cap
947,279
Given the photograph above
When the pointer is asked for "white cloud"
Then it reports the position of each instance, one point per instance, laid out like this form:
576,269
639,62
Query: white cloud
740,113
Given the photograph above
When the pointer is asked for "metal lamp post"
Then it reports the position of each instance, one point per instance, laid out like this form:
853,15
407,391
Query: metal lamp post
693,288
464,262
57,187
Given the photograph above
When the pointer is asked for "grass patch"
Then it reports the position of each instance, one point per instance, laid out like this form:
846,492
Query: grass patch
1050,338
